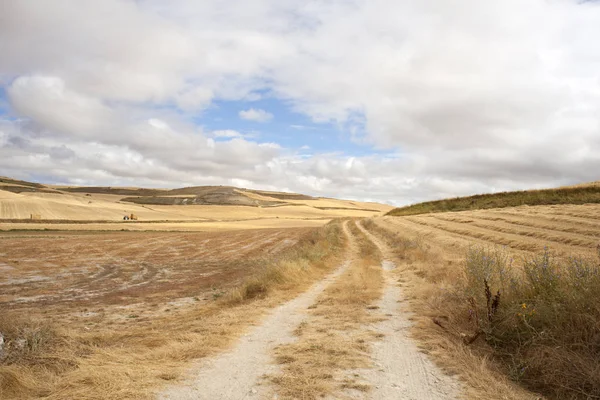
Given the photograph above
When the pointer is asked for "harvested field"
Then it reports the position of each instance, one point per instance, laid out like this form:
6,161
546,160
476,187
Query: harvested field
181,226
187,209
566,229
117,268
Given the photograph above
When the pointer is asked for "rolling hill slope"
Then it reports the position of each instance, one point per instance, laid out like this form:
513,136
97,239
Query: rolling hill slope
52,203
579,194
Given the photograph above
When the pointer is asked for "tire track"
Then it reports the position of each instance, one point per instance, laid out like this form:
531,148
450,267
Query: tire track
402,371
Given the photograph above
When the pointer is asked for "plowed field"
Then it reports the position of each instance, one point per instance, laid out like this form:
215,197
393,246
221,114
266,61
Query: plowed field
72,272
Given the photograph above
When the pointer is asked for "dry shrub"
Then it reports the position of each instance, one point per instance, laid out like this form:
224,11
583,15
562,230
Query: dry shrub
547,328
31,349
543,334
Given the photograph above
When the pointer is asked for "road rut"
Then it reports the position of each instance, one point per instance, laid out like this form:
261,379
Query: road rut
401,370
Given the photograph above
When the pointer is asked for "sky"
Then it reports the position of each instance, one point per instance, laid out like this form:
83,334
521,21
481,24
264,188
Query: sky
394,101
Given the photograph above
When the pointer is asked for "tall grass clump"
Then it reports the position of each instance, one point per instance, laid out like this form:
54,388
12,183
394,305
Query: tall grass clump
28,347
404,247
545,327
292,266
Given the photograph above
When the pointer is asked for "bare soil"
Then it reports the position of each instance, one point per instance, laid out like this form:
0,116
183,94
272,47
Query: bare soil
65,272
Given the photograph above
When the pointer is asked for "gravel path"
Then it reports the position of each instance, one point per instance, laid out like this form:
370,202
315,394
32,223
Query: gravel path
401,370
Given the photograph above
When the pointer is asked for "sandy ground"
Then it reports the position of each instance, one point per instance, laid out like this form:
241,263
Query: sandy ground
237,374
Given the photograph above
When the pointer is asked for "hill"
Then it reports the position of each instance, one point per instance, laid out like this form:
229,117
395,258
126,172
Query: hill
183,208
578,194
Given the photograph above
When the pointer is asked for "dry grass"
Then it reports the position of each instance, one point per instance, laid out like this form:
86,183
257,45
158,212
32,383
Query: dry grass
550,344
566,195
49,359
546,328
429,276
228,205
208,226
334,340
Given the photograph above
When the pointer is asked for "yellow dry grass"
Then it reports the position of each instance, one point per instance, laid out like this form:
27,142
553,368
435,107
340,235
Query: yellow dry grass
324,202
70,361
108,208
208,226
586,184
335,340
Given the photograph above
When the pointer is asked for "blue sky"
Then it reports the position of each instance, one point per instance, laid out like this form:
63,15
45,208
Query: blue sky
290,129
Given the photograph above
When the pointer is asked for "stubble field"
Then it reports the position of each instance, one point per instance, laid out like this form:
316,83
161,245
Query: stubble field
72,271
567,229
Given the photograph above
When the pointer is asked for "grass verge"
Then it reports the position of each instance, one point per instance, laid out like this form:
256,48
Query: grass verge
334,341
541,319
44,359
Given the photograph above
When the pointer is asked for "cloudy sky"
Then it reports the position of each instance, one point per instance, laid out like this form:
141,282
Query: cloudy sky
387,100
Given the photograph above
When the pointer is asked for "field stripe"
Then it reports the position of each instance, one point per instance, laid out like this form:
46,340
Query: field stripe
546,235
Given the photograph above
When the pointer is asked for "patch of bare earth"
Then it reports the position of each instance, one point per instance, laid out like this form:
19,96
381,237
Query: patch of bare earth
89,270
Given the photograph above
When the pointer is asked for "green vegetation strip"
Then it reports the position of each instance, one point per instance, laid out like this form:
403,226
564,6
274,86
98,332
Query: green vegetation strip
578,195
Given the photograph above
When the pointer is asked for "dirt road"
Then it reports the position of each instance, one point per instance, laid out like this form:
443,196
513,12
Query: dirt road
399,370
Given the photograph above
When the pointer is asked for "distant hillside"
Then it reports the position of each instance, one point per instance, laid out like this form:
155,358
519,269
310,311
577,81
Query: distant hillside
578,194
114,190
31,202
283,196
193,195
17,186
204,195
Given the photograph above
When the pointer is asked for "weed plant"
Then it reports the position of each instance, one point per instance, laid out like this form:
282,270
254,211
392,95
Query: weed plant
546,328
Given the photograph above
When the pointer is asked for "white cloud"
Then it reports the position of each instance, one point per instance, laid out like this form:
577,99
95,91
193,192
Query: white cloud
471,96
227,133
258,115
